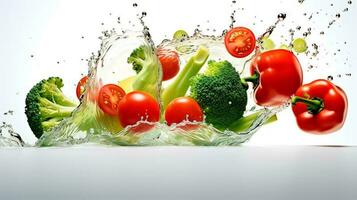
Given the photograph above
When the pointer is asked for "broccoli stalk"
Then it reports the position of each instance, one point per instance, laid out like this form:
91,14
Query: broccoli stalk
220,94
147,66
47,106
179,87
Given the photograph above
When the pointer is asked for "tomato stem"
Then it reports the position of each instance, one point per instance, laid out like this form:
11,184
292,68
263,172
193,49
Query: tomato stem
252,79
314,105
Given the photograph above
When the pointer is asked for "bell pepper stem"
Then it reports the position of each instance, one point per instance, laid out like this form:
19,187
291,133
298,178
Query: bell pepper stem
314,105
253,79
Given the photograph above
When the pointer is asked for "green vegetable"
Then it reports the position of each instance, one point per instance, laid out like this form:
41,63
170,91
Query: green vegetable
146,65
244,123
180,85
299,45
267,44
47,106
180,34
220,93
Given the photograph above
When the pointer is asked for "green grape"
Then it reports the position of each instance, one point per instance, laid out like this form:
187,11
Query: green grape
299,45
179,34
268,44
284,46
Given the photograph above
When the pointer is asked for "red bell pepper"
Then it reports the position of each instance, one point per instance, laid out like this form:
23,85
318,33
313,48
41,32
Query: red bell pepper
320,107
276,75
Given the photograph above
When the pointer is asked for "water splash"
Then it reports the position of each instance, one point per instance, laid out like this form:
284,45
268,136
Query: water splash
8,137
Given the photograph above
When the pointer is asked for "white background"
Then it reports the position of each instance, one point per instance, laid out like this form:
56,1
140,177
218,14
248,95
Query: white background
52,31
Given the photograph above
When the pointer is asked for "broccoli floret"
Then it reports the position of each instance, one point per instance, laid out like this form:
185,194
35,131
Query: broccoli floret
146,65
46,105
220,94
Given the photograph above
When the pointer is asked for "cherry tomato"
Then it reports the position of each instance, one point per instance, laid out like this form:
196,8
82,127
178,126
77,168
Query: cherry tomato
109,97
138,106
81,86
170,63
183,109
240,42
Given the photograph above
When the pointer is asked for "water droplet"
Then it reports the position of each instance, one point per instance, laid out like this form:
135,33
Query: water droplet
281,16
338,15
143,14
32,56
330,78
349,2
135,5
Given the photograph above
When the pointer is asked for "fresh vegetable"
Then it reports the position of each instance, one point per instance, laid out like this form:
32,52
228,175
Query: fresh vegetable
183,109
299,45
320,107
47,106
267,44
240,42
138,106
109,97
180,34
81,86
276,75
146,64
180,85
220,94
170,63
127,84
244,123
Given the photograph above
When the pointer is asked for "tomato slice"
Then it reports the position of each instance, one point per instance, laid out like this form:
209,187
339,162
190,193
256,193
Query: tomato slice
109,97
170,63
81,86
240,42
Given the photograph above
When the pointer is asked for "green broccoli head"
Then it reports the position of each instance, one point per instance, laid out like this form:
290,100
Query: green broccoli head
47,106
147,67
136,58
220,94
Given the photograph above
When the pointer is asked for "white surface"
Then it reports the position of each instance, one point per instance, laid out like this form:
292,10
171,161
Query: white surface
276,173
52,30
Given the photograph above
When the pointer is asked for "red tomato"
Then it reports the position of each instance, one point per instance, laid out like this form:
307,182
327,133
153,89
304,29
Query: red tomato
183,109
81,86
170,63
109,97
240,42
138,106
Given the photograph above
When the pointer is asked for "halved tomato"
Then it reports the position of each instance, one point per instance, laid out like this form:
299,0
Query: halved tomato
81,86
109,97
240,42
